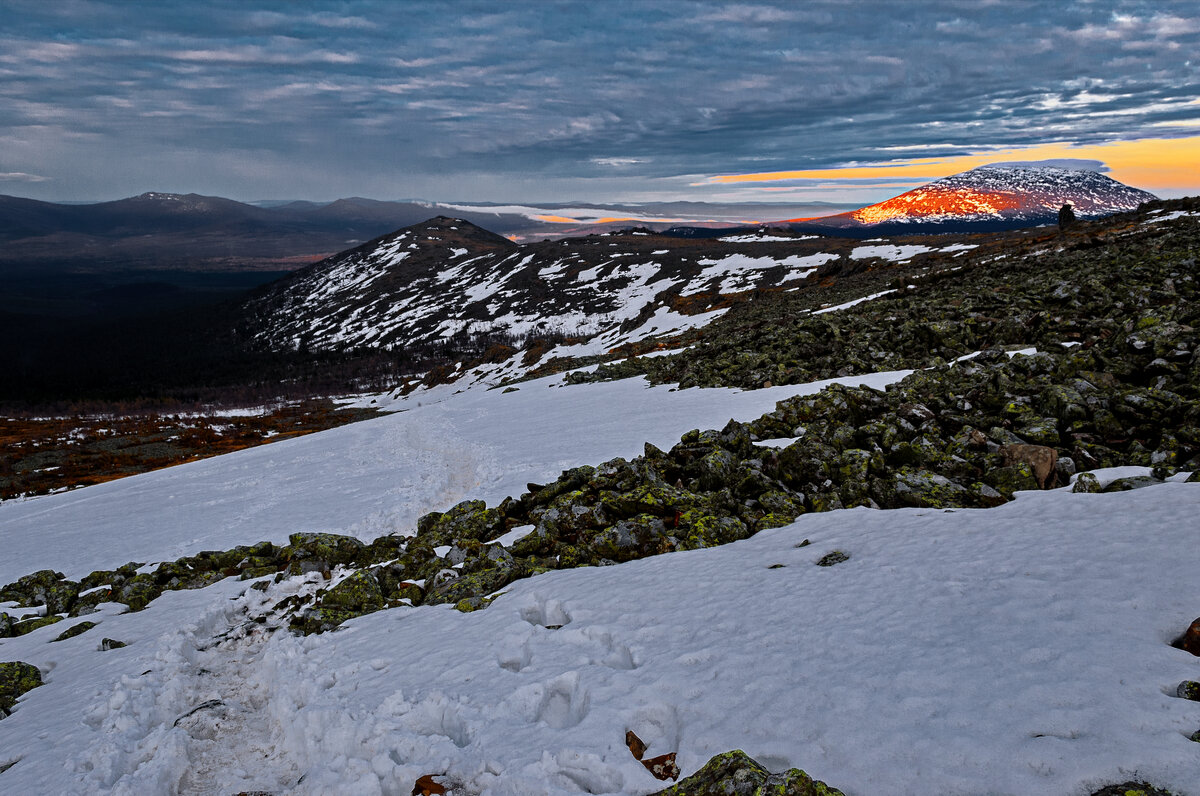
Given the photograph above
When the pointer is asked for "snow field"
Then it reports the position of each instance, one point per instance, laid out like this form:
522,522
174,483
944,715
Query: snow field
1016,650
371,478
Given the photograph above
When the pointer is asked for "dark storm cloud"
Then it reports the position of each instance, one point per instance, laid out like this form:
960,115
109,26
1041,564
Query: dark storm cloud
486,100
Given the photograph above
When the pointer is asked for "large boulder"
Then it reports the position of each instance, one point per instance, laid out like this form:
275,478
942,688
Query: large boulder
44,587
637,537
474,588
30,625
471,519
318,552
356,595
918,489
16,677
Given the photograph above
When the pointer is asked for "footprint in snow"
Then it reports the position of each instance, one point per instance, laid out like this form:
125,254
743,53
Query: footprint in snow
550,614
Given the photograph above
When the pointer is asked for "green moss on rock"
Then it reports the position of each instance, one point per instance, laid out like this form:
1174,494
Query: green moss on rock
318,552
1132,789
737,774
45,587
30,625
75,630
16,678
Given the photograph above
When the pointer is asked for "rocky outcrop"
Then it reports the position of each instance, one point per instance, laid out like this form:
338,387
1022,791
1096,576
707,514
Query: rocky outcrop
737,774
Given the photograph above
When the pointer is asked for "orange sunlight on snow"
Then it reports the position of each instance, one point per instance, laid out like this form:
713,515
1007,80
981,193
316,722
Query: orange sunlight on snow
929,203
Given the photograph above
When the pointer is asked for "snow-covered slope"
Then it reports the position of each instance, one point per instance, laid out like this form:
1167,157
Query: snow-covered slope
370,478
1016,650
1016,195
447,280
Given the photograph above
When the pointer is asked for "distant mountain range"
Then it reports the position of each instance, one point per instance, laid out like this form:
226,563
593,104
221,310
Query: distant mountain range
188,232
164,231
987,198
173,232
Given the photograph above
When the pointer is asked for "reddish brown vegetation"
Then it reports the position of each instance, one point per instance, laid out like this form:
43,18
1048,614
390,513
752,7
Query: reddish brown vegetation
41,455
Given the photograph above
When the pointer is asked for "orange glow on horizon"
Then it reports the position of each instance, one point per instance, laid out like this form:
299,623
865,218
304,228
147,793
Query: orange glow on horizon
1149,163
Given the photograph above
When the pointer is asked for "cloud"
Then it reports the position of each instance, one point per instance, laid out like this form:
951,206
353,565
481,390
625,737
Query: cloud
20,176
1073,164
526,95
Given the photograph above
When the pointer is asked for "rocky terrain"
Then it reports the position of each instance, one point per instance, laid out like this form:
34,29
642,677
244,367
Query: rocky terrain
446,282
1034,358
1027,369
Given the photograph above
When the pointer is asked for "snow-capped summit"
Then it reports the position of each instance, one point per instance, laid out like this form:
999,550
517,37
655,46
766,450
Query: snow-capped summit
996,195
1008,192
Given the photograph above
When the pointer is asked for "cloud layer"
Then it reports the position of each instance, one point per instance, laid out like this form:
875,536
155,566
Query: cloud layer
563,100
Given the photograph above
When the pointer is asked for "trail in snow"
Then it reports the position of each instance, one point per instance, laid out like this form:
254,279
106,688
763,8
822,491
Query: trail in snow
1022,649
982,637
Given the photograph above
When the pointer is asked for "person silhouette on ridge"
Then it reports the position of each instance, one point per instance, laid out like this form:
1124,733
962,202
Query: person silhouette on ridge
1066,216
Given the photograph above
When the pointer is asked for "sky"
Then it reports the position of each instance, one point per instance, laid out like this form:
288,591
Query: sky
609,100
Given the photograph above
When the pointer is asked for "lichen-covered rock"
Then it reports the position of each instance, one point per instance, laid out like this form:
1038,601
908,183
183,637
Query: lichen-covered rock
75,630
918,489
1188,689
173,576
737,774
356,595
696,528
44,587
319,552
107,644
137,592
637,537
836,557
1012,478
1086,483
16,678
30,625
1131,482
1132,789
470,519
476,586
359,592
